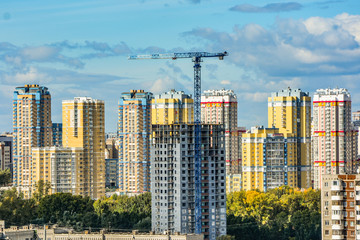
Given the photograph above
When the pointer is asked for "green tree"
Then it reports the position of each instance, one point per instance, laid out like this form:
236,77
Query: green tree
129,211
5,177
281,213
42,189
16,210
65,208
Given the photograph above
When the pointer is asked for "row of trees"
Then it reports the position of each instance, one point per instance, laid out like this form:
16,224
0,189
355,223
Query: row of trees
120,213
282,213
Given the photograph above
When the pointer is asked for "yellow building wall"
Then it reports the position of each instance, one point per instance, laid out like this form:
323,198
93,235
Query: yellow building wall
84,126
253,159
171,111
285,118
42,168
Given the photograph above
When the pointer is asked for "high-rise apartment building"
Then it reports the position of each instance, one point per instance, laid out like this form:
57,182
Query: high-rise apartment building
340,204
32,128
334,139
6,151
172,107
220,107
173,195
289,110
134,141
177,206
57,134
83,121
269,159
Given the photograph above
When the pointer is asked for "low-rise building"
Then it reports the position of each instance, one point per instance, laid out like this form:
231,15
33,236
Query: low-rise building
32,232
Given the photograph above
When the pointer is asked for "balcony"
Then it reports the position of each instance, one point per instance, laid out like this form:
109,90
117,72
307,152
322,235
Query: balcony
337,237
336,188
336,198
336,217
337,227
337,207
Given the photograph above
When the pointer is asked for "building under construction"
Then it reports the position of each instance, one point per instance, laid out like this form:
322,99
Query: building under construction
173,180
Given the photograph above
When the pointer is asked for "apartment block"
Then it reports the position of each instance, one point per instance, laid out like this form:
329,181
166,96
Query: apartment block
172,107
57,134
112,172
6,151
59,166
340,206
220,107
83,121
32,128
134,126
289,110
173,191
269,159
334,138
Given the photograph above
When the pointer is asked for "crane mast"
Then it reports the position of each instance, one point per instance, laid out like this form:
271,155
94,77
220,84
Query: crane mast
197,59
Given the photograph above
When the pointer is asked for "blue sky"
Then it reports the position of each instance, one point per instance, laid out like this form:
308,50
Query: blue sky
80,48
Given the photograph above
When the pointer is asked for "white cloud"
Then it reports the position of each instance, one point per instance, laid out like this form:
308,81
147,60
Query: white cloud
162,84
291,47
27,75
39,53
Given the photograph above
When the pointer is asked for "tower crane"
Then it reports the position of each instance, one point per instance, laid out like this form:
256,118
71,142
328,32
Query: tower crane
197,59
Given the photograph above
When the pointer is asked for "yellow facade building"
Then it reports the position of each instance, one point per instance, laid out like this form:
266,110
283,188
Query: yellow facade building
289,110
172,107
84,127
59,167
32,128
269,159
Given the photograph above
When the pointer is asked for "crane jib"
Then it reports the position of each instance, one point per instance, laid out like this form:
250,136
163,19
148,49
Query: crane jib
177,55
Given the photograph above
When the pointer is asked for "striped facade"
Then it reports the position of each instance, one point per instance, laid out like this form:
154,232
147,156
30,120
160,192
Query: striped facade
172,107
334,139
289,110
32,128
134,125
269,159
220,107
